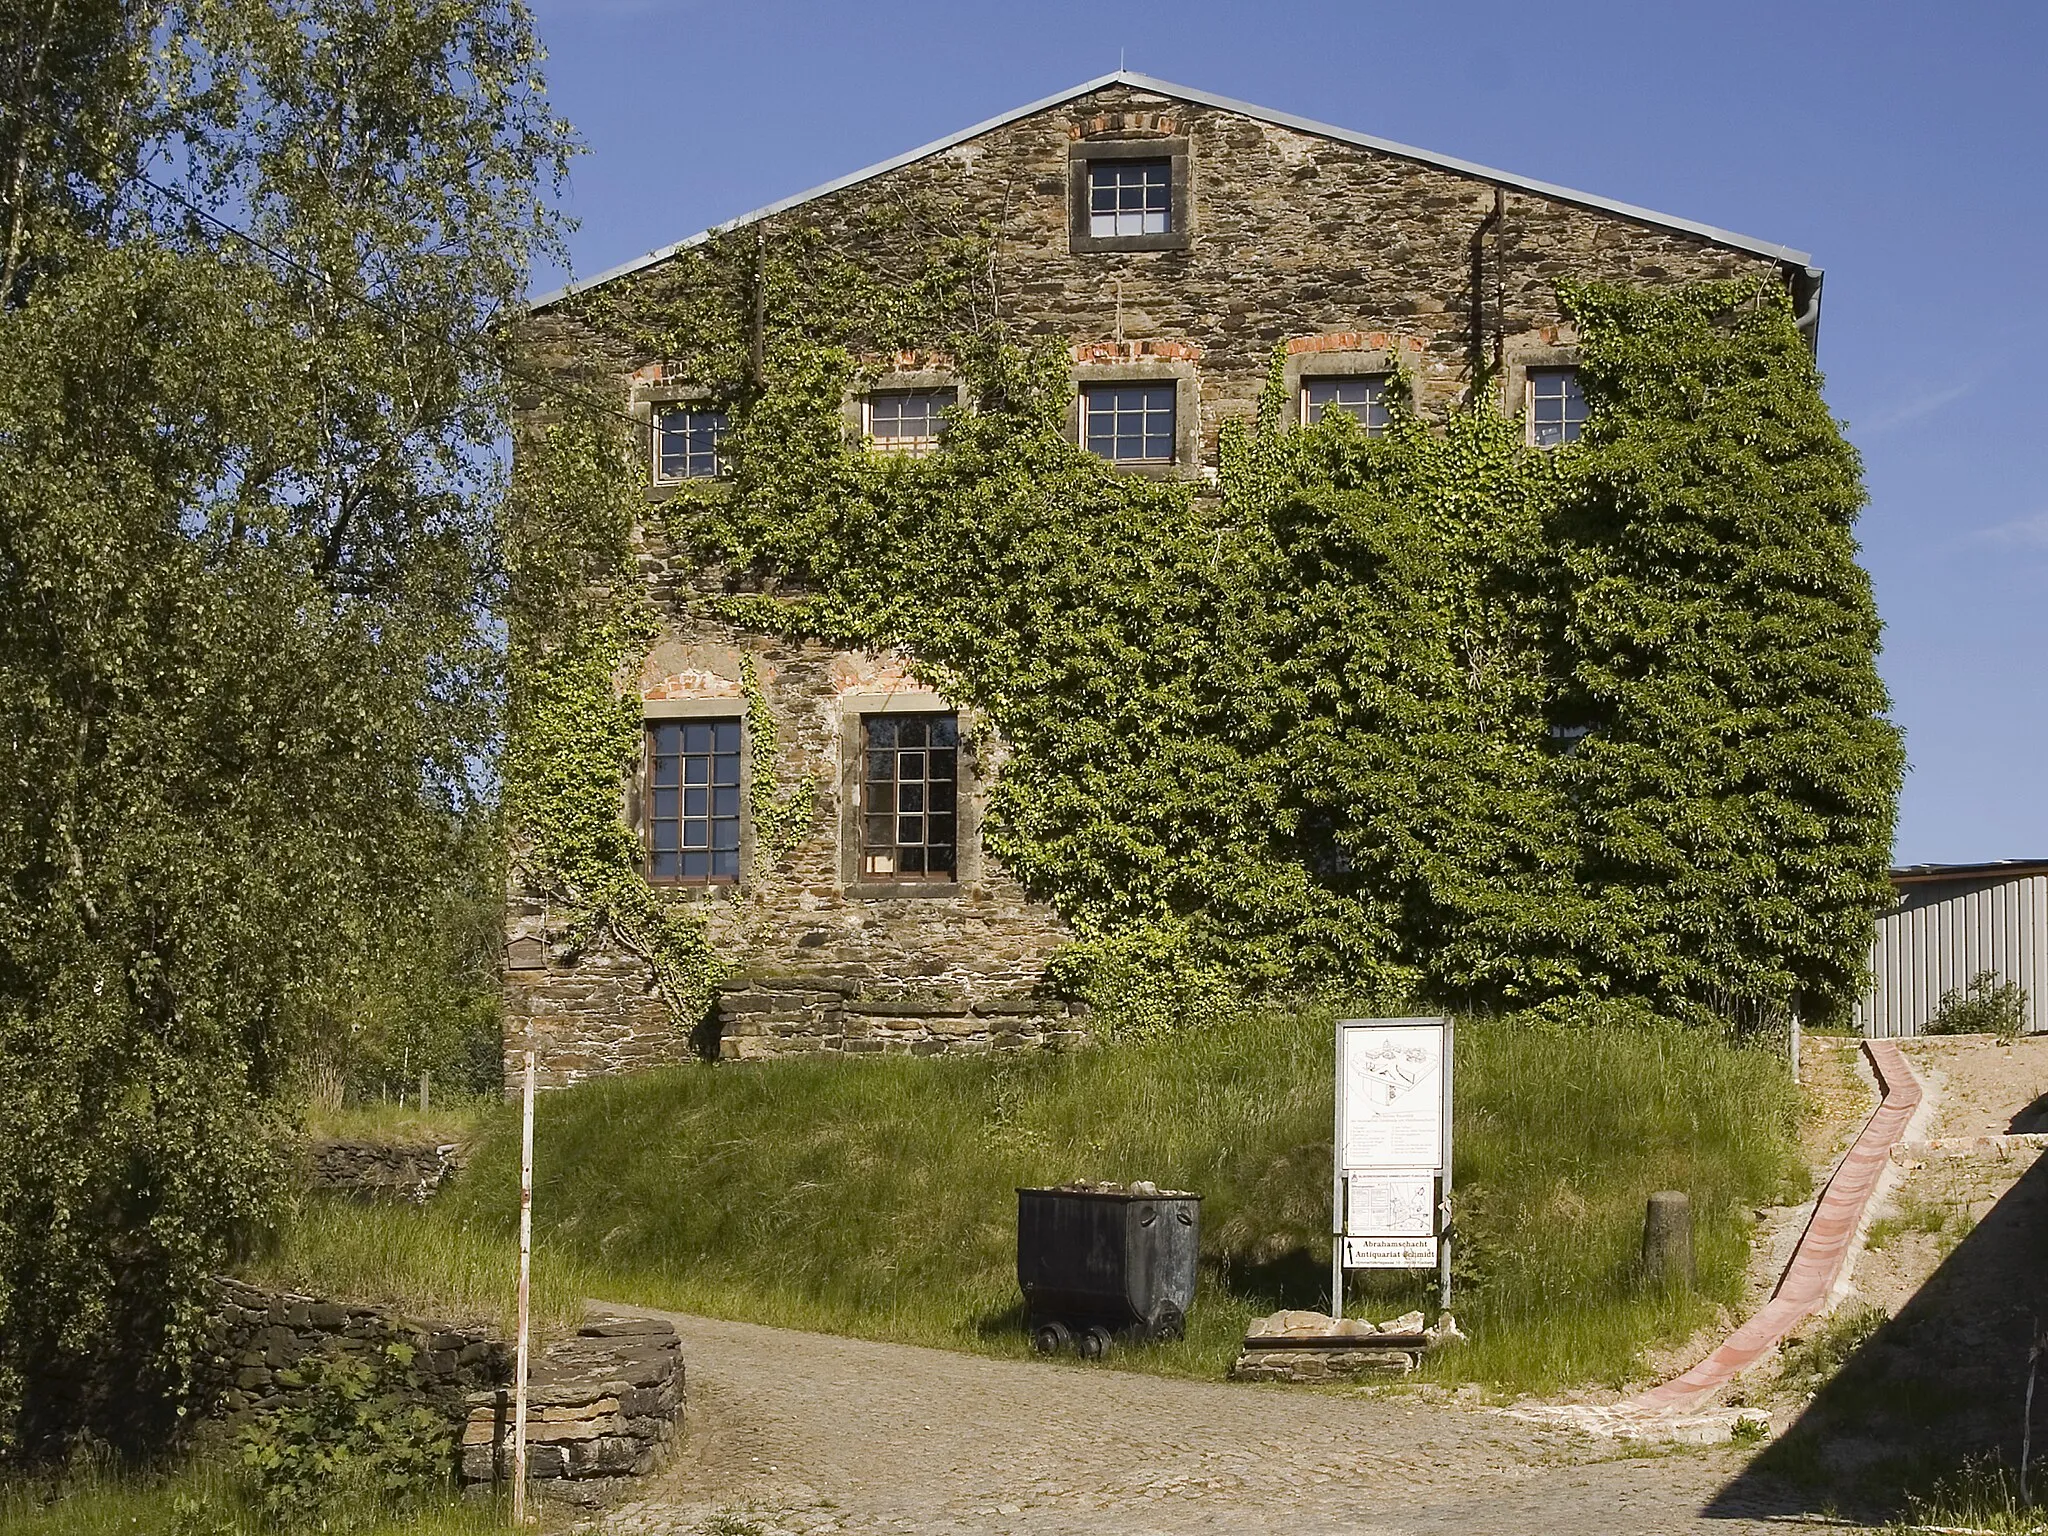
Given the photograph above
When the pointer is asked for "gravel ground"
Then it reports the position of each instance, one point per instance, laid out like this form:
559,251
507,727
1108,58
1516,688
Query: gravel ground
792,1432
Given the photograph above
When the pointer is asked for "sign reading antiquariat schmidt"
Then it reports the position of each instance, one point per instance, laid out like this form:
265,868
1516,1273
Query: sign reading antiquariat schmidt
1393,1142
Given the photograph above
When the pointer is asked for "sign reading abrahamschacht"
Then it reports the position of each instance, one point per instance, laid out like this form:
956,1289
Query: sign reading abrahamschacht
1393,1153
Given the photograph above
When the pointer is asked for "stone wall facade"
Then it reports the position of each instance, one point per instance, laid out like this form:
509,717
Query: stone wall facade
255,1334
600,1406
374,1170
1347,258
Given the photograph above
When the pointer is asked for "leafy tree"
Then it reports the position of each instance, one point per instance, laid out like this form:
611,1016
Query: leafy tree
254,251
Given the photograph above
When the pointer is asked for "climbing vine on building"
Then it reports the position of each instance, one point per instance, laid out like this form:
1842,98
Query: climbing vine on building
1428,714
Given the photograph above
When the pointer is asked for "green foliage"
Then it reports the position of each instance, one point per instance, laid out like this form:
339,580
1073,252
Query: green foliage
203,1496
579,623
247,673
351,1443
1429,713
1810,1362
1987,1006
877,1196
420,992
780,816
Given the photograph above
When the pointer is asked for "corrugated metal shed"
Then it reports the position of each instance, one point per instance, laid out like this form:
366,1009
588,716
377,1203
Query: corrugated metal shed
1953,921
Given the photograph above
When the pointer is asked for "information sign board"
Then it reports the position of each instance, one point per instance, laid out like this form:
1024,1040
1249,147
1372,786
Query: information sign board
1390,1205
1390,1252
1392,1184
1393,1094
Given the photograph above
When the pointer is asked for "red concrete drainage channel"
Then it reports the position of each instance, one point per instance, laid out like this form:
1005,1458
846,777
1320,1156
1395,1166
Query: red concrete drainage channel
1815,1278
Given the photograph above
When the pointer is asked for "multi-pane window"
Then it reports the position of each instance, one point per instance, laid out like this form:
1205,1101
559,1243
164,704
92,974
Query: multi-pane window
910,797
1130,197
908,420
693,810
1557,411
1362,396
1129,423
686,443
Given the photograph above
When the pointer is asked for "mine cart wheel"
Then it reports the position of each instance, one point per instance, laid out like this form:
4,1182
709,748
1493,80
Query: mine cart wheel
1171,1325
1093,1343
1050,1338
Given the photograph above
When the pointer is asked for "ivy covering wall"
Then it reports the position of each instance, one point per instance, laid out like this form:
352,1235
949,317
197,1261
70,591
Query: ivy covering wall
1428,715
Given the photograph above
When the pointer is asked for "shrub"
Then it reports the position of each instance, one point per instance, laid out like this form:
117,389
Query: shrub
351,1444
1987,1006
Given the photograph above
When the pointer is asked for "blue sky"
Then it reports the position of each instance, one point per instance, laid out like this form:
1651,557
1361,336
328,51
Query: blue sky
1906,146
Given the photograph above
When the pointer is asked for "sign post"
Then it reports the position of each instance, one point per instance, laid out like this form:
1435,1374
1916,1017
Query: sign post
520,1366
1390,1195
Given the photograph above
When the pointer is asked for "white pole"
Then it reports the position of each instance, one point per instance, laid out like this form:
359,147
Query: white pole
1337,1187
525,1276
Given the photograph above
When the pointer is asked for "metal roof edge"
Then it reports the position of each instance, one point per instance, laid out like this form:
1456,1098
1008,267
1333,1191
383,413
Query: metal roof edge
1921,874
853,178
1781,253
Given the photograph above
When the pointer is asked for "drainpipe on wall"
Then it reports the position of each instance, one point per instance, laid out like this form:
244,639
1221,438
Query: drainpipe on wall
1806,284
1486,227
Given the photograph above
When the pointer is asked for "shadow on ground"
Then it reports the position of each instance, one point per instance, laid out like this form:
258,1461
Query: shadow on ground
1937,1390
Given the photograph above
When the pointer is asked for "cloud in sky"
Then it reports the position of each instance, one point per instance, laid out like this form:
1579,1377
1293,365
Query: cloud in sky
2030,533
1914,408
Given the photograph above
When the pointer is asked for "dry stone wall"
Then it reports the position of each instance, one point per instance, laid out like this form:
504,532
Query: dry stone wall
1328,250
600,1406
256,1334
374,1170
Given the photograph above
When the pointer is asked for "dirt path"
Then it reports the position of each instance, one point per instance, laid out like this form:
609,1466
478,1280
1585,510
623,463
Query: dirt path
794,1432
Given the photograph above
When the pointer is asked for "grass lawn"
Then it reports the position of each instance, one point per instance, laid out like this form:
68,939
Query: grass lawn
200,1499
874,1196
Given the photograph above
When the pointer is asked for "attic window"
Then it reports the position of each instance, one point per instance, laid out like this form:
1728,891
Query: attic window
1128,194
1130,197
1557,409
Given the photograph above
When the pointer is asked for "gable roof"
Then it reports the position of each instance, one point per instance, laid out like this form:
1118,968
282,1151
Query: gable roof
1779,253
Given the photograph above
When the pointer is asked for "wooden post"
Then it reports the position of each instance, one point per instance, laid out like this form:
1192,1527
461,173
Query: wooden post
1667,1239
426,1090
525,1279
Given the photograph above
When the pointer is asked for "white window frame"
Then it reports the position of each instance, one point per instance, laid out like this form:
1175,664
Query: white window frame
1382,377
685,408
910,447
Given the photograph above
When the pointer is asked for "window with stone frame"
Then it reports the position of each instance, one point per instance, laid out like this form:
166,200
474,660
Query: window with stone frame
693,801
1130,423
1556,408
1361,396
908,421
910,810
1130,197
686,440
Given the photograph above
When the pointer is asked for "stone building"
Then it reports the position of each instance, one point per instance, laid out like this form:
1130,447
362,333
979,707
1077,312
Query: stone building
1171,240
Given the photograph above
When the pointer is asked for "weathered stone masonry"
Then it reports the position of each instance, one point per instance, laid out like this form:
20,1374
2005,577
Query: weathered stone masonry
1350,258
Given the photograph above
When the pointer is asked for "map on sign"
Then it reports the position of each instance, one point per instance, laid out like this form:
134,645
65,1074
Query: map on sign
1391,1205
1392,1092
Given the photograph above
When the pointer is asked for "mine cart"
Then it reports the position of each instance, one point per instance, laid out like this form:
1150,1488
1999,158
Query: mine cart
1105,1261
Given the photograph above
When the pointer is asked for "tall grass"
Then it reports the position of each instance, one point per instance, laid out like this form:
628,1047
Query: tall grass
202,1498
875,1196
427,1263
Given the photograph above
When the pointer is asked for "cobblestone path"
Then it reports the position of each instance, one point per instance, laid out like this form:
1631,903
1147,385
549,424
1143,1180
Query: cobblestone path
796,1432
